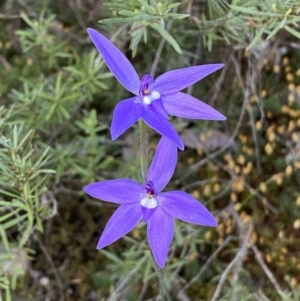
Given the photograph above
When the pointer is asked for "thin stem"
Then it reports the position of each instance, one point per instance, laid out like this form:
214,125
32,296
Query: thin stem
143,149
144,168
163,290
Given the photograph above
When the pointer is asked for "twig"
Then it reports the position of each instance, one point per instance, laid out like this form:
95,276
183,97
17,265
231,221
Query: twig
27,8
257,297
196,57
223,192
118,31
163,290
267,271
217,86
202,182
143,291
208,262
238,257
160,47
5,63
4,16
53,268
250,87
249,187
122,285
74,8
218,152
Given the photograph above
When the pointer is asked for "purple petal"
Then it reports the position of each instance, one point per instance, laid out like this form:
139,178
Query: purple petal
121,191
176,80
126,113
186,106
116,61
124,219
147,213
162,126
163,164
181,205
158,108
160,233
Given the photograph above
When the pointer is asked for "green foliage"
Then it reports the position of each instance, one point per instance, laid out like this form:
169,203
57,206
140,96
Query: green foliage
56,105
39,38
42,114
142,14
247,23
23,182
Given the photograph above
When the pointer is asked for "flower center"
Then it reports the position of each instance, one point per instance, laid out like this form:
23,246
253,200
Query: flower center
152,96
147,95
149,202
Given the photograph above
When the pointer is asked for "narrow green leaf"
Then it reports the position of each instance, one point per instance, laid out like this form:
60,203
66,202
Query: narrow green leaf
136,40
128,13
255,12
146,5
292,31
27,20
257,38
5,241
154,4
26,233
43,157
111,256
166,36
39,224
174,5
283,22
14,221
9,215
176,16
274,31
162,23
13,195
58,83
15,137
144,17
25,138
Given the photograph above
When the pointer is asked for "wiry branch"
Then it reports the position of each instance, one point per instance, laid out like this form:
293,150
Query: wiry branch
239,257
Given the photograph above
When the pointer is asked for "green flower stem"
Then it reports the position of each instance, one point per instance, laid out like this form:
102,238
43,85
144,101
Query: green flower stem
163,290
144,168
143,149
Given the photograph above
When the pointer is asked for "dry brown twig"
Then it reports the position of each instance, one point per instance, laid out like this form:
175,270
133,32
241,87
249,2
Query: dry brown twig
74,7
267,271
208,262
5,63
122,285
237,259
250,88
223,148
161,46
52,266
253,191
216,88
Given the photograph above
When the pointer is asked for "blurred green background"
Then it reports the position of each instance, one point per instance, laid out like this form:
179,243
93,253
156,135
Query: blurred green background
57,98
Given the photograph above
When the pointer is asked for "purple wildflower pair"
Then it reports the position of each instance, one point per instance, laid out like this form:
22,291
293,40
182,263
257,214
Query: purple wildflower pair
154,100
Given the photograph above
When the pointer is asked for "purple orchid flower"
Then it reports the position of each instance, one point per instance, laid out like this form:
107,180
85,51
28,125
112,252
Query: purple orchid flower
154,99
147,202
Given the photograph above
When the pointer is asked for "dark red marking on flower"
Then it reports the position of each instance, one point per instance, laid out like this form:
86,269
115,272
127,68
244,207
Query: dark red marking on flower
150,189
145,85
